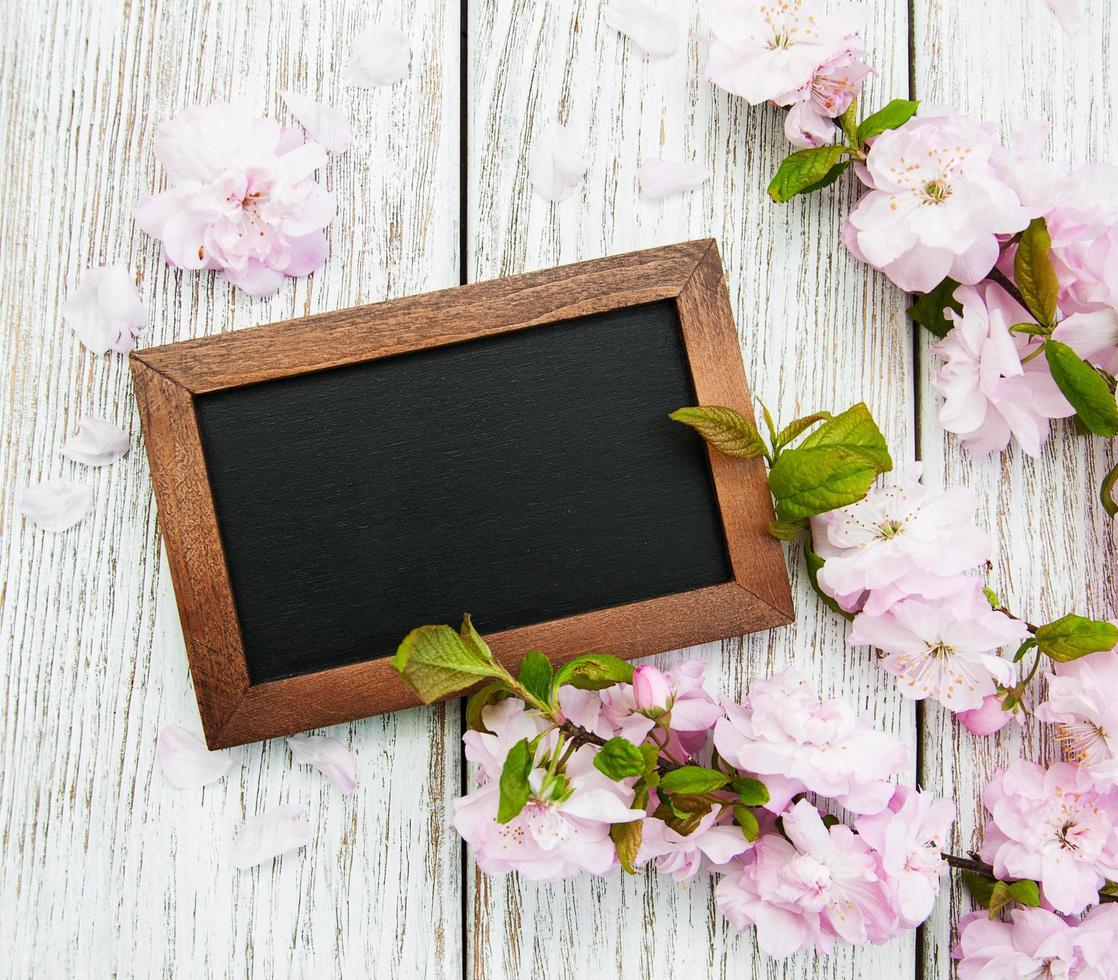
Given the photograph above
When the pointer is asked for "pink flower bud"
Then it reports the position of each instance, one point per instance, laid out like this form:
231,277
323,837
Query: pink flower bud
987,718
651,689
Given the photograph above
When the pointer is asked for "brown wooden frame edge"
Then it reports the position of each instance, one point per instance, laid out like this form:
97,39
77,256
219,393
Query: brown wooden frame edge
167,379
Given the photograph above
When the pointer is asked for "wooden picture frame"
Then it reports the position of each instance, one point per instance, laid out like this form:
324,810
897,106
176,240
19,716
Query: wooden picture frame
168,379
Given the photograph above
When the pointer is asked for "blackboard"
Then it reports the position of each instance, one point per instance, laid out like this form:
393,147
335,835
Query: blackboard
327,484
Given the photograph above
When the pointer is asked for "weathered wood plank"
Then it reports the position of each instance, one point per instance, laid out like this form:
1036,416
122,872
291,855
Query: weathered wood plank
107,869
1052,540
817,331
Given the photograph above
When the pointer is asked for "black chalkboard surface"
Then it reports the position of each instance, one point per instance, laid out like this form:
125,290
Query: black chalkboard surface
525,477
329,483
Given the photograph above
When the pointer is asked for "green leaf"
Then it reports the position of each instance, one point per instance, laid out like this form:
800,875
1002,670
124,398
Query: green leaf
1106,492
805,170
1084,387
747,820
992,598
1033,273
1025,892
726,429
1110,888
787,530
980,887
1072,637
435,662
829,177
683,822
853,429
753,792
795,429
814,562
1026,645
593,672
1031,329
514,788
535,675
693,779
493,692
626,839
472,640
830,820
619,758
928,309
893,116
651,757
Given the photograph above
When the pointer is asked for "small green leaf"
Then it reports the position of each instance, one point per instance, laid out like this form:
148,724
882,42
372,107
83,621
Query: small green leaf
787,530
928,309
472,640
1031,329
1110,888
535,675
683,822
830,820
435,662
1033,273
619,758
992,598
980,887
747,820
753,792
853,429
726,429
1027,644
1072,637
626,839
651,757
1084,387
794,430
693,779
814,562
805,170
829,177
893,116
593,672
1025,892
493,692
1106,492
514,789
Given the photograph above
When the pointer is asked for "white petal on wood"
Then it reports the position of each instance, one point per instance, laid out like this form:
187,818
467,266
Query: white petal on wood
186,762
328,756
380,56
56,504
324,124
1069,13
652,28
557,162
271,834
662,178
96,443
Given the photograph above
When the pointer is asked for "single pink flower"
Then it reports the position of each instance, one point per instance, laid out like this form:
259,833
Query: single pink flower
796,742
764,50
652,691
817,885
899,540
241,198
909,836
937,204
1083,706
990,716
1038,943
1054,826
716,839
943,650
814,106
563,830
990,394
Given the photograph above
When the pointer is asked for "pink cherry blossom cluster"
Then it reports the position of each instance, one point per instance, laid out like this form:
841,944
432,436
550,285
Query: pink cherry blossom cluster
802,878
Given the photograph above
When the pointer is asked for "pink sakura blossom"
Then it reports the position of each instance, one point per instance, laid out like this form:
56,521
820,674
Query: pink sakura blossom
1083,226
1053,826
716,839
908,837
1038,943
990,716
241,198
1092,335
899,540
1082,705
564,828
990,393
796,742
936,206
810,120
943,650
817,885
1037,181
764,50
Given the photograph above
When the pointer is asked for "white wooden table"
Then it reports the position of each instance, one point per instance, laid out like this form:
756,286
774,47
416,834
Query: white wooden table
106,869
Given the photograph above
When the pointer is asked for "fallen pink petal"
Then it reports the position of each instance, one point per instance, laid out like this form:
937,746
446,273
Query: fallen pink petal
653,29
662,178
323,123
96,443
328,756
271,834
105,310
56,504
1069,13
380,56
187,763
557,162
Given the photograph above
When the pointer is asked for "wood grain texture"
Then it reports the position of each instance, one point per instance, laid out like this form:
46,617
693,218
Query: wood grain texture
107,869
816,330
1053,545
